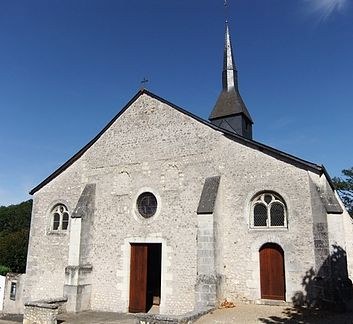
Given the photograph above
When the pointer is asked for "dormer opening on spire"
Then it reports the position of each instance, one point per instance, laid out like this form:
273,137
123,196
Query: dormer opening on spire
230,111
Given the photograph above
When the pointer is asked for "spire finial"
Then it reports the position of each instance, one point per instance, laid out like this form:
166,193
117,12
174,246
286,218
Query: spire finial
226,10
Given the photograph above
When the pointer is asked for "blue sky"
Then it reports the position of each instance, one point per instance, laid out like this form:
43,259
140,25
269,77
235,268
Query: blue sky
67,67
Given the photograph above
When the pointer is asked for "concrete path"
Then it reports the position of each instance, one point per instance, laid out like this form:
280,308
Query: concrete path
81,318
254,314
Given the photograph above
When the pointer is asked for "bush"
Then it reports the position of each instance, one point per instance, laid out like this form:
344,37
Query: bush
4,270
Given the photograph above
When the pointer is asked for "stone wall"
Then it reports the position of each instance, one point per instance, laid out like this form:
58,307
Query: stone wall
48,249
44,311
127,160
153,147
206,282
348,234
41,315
246,173
2,288
13,293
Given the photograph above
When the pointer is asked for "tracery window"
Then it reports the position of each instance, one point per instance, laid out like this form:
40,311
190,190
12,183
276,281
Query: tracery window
268,210
60,218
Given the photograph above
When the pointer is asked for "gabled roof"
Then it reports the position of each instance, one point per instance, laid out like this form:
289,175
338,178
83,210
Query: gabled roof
237,138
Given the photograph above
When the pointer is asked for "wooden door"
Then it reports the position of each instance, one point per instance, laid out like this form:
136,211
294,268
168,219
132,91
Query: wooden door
138,278
272,272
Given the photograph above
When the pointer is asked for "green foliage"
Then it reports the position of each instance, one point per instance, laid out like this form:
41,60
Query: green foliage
15,217
344,186
14,232
4,270
13,250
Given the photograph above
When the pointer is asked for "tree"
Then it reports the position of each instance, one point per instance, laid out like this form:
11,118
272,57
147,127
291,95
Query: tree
344,186
15,217
13,250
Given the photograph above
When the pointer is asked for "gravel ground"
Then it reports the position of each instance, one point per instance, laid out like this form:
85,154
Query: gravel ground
249,313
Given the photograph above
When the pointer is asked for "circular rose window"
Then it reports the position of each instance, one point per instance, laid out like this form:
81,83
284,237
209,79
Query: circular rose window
147,204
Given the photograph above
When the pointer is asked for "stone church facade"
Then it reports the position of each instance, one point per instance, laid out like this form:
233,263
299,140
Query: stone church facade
165,208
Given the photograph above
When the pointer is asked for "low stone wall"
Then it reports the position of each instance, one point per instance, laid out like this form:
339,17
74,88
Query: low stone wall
44,314
44,311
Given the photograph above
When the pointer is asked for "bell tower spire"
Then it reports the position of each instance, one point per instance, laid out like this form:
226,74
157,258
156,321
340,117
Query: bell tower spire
230,111
229,74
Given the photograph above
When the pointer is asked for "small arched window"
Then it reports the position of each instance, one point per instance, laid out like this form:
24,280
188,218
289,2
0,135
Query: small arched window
60,218
268,210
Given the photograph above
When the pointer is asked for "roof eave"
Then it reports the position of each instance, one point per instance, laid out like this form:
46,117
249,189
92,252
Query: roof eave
76,156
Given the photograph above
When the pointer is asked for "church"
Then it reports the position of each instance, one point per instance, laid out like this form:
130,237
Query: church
165,210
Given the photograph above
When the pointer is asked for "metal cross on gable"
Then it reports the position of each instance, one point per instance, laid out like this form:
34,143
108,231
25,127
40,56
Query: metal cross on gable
144,81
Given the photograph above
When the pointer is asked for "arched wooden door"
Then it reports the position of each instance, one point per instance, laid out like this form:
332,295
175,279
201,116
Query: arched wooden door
272,277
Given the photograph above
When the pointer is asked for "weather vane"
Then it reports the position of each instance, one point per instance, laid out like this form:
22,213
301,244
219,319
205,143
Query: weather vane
226,9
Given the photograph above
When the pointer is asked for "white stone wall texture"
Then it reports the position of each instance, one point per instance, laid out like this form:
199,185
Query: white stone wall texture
13,305
2,288
154,147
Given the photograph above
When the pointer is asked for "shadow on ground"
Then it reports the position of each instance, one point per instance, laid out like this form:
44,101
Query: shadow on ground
297,315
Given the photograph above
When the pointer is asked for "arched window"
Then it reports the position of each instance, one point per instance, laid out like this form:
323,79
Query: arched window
268,210
60,218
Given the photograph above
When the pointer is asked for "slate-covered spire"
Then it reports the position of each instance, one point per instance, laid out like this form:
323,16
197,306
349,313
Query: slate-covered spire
230,111
230,73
